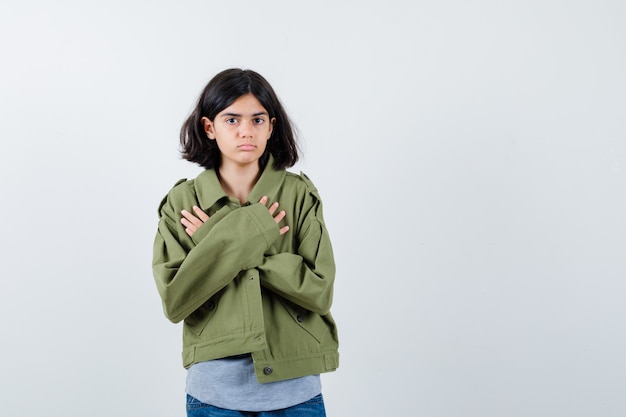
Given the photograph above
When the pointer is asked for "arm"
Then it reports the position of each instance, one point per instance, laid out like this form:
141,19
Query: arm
187,275
192,222
305,278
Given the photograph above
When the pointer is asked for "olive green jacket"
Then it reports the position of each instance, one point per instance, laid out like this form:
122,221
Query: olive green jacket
240,286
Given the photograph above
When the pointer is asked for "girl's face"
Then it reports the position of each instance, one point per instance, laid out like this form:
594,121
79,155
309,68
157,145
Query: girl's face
241,131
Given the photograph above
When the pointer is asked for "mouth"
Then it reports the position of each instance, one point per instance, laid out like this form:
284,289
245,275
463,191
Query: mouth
247,147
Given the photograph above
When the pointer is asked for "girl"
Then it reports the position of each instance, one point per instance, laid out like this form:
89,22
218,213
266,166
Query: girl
242,256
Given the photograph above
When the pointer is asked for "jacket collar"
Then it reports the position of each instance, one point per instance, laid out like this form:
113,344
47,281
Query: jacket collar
209,190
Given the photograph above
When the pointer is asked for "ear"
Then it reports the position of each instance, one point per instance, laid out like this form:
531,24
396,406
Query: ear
208,127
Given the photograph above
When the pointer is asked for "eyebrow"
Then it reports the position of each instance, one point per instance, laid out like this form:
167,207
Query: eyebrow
261,113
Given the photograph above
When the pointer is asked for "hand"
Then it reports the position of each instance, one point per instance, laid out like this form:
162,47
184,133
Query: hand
279,217
191,222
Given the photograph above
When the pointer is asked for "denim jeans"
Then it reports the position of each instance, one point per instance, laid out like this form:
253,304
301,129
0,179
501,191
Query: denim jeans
311,408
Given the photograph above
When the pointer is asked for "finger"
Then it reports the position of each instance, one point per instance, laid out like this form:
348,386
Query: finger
190,228
284,230
201,214
279,217
263,200
273,208
191,218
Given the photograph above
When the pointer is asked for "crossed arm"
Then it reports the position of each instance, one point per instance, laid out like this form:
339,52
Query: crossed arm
193,221
310,284
304,277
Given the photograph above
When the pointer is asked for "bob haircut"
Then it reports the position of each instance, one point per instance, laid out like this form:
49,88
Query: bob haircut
221,92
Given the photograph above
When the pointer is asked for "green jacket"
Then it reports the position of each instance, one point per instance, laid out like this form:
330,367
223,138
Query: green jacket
240,286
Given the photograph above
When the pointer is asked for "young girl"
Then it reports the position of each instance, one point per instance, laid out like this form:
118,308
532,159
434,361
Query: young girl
242,256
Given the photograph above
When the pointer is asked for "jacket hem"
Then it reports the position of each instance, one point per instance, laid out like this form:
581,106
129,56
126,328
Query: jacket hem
278,370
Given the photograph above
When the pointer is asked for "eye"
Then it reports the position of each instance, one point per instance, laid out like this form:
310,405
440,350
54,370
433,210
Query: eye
231,121
258,120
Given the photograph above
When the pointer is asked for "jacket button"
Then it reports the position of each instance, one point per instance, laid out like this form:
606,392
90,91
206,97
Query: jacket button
268,370
300,318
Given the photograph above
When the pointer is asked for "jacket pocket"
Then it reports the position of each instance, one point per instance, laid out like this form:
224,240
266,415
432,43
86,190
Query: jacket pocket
311,322
197,321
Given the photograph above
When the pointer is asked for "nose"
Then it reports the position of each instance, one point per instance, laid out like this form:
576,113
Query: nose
245,129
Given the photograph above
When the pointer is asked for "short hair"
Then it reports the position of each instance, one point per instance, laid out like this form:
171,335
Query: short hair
221,92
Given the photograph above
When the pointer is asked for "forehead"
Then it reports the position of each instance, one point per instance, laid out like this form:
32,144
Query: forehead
245,105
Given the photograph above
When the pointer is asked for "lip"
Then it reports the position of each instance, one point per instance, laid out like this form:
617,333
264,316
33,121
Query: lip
247,147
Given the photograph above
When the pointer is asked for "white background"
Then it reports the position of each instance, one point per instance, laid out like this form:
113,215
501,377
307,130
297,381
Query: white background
472,161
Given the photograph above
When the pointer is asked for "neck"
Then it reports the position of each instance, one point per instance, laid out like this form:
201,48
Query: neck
237,180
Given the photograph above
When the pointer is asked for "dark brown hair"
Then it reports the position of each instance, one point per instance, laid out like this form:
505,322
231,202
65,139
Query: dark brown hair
221,92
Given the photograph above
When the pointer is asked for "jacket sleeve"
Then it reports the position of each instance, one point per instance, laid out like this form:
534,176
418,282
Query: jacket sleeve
188,273
305,278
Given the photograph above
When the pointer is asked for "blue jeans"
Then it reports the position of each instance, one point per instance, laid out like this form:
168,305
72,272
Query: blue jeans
311,408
